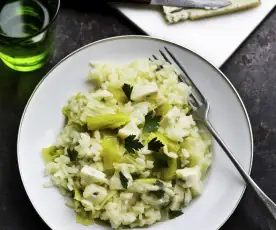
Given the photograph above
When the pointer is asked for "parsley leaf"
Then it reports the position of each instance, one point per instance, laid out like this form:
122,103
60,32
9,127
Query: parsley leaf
174,214
131,144
127,90
124,180
135,176
151,123
72,154
161,161
155,145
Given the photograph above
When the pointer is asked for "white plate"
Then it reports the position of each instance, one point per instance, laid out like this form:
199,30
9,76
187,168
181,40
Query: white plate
42,120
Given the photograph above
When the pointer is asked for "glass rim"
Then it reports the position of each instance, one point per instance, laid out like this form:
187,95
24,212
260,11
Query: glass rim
40,31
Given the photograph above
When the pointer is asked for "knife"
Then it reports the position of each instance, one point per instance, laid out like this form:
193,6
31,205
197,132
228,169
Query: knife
201,4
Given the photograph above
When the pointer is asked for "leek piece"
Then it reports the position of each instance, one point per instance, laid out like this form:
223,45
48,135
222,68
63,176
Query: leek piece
48,153
163,109
110,152
118,94
169,173
108,121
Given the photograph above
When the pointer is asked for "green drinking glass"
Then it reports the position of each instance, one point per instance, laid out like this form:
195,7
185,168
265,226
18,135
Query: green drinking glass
27,32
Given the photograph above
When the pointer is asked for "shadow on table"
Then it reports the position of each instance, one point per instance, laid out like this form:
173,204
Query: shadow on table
102,8
15,90
18,86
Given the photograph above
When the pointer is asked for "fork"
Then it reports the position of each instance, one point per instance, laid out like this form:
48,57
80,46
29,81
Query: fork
200,108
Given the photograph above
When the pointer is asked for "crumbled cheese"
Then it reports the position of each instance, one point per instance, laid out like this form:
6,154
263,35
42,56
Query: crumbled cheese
91,175
191,176
95,193
130,129
141,91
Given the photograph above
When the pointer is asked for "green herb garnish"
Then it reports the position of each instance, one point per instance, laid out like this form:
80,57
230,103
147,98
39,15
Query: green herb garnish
124,180
72,154
135,176
174,214
155,145
131,144
151,123
127,90
161,161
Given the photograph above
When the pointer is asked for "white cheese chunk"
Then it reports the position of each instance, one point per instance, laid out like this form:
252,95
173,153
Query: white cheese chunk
175,14
91,175
185,122
191,176
140,111
95,193
176,133
141,91
115,182
176,124
171,117
130,129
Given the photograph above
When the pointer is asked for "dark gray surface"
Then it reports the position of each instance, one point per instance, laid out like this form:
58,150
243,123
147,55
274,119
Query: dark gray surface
251,69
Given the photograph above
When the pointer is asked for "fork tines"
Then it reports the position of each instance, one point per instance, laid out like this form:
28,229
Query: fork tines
196,98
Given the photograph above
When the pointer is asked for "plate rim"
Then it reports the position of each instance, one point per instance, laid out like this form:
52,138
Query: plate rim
145,37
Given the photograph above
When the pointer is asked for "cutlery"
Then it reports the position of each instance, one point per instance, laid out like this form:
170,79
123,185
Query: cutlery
200,108
204,4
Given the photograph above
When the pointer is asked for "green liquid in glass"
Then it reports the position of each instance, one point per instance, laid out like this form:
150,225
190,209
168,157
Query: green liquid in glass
22,47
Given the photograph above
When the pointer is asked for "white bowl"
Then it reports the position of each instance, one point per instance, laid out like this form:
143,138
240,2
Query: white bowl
42,120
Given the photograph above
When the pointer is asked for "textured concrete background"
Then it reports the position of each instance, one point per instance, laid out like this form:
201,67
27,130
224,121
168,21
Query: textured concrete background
251,70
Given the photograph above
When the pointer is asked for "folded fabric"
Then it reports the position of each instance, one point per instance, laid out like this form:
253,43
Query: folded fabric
176,14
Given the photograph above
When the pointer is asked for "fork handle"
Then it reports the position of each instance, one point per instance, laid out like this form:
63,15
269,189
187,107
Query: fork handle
267,205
